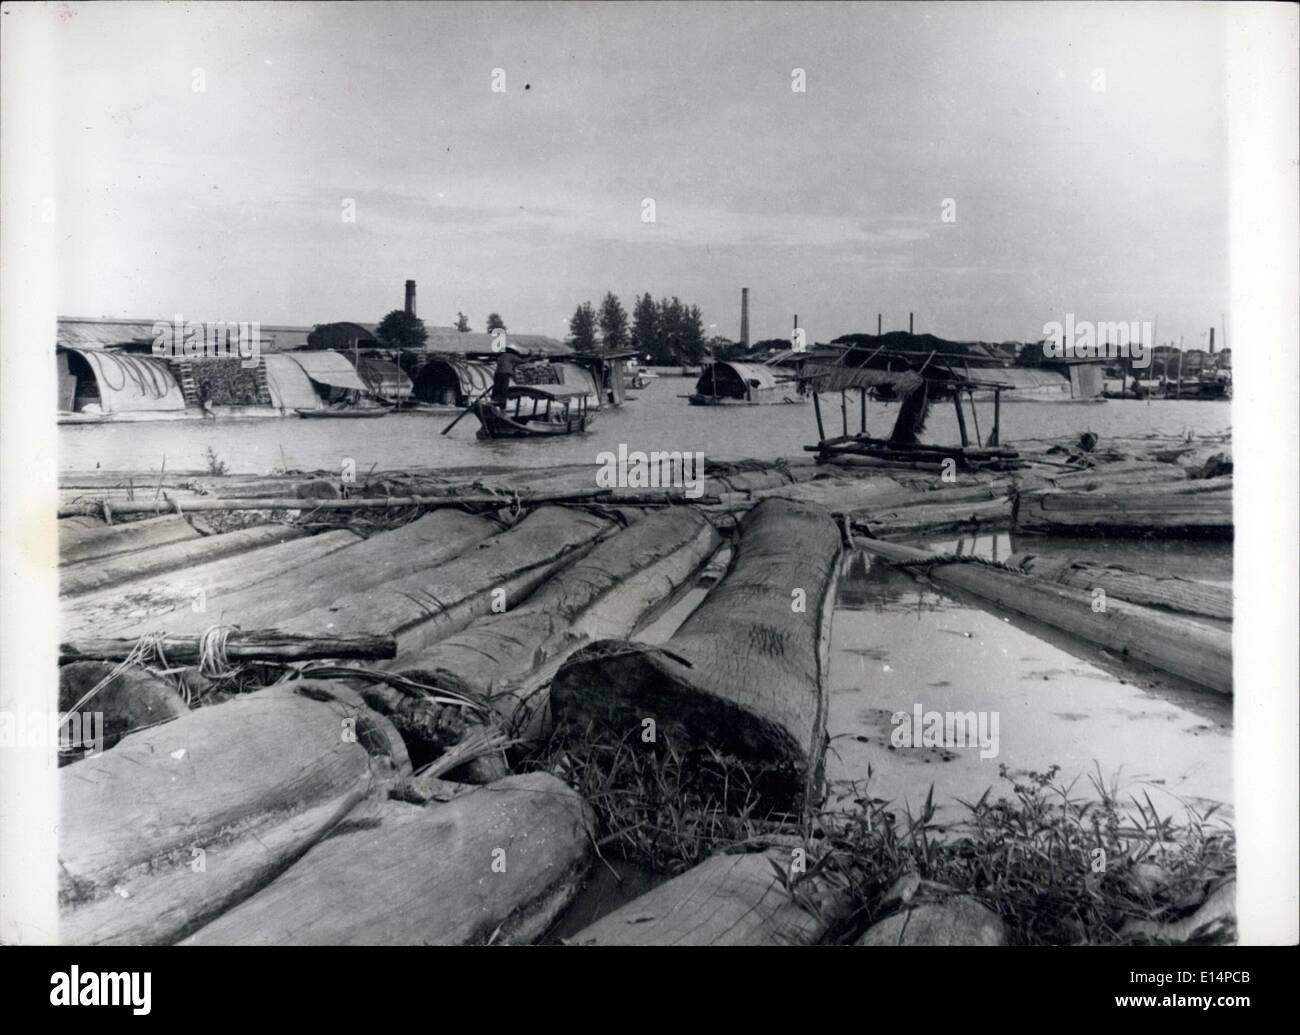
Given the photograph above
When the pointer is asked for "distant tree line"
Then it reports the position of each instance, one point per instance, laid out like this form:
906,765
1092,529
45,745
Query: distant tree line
669,332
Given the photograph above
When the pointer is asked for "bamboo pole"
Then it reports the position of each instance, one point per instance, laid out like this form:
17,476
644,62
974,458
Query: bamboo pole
379,503
253,645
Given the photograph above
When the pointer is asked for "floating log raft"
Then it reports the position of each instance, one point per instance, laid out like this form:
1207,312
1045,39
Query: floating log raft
726,900
745,674
1169,592
1192,650
84,539
90,575
422,608
179,822
607,593
192,595
1132,512
495,865
362,565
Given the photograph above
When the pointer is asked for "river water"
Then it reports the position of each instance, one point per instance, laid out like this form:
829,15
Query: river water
656,419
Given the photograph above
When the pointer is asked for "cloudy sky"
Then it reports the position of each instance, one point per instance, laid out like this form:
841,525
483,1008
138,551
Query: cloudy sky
1083,148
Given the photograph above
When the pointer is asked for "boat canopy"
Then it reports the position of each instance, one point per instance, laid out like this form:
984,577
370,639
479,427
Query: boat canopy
290,387
385,380
580,376
127,383
746,381
329,368
449,380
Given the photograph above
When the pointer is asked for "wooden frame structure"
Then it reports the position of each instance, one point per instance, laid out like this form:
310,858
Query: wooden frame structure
902,448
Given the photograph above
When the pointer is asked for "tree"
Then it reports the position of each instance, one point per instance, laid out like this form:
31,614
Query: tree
645,333
613,323
582,328
690,344
462,322
495,322
669,324
400,330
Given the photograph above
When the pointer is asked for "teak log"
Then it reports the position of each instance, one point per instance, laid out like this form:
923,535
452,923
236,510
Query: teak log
178,823
495,865
87,539
1187,648
1138,587
192,599
726,900
623,582
422,545
422,608
746,673
1126,513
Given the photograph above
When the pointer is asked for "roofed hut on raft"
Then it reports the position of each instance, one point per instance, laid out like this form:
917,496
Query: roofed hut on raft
915,391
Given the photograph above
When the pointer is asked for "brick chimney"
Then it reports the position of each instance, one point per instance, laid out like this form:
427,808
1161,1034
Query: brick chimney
744,317
410,298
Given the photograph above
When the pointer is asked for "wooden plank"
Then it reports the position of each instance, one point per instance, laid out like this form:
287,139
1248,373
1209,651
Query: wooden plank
88,576
746,672
495,865
179,822
726,900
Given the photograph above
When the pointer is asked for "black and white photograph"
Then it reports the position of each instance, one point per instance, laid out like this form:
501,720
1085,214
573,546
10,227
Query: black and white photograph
649,474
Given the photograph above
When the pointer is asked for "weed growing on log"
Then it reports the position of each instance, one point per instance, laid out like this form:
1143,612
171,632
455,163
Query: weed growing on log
1060,868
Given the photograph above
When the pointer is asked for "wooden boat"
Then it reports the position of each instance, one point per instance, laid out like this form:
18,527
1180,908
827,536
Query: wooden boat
565,412
348,411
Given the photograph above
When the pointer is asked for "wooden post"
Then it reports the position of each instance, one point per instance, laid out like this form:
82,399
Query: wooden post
817,409
961,417
975,416
997,415
844,412
862,402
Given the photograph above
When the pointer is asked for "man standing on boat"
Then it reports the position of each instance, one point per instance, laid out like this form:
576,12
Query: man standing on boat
507,359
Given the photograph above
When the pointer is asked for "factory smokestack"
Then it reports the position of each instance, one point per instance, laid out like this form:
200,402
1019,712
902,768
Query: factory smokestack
410,298
1211,341
744,317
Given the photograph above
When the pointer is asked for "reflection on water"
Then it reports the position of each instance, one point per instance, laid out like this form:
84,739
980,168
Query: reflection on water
897,643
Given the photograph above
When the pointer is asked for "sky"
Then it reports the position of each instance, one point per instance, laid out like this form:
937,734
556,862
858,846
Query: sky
1081,149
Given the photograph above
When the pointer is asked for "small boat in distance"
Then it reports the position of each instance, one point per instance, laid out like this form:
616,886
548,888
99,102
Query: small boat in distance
565,412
